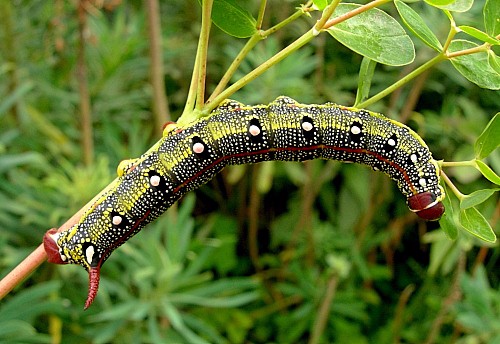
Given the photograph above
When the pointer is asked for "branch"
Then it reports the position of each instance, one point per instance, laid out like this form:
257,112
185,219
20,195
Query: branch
38,256
160,102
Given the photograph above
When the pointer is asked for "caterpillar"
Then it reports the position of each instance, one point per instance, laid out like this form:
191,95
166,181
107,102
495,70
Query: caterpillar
187,157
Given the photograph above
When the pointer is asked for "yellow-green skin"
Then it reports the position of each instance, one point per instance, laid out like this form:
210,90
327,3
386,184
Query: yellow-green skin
186,158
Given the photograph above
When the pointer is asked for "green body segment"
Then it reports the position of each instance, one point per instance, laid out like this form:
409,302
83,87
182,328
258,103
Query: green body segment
186,158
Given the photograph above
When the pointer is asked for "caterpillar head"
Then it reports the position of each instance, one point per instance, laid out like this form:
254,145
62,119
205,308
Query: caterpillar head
65,248
426,205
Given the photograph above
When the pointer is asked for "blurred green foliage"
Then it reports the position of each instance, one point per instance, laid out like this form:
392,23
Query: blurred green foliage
252,256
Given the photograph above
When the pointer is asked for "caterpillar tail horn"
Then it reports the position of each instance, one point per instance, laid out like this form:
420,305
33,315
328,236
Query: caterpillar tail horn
94,277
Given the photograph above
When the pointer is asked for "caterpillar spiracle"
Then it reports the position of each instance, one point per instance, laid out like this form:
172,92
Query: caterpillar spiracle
187,157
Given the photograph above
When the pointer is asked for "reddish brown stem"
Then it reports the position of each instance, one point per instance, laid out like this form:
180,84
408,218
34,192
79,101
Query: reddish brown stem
38,256
160,103
83,87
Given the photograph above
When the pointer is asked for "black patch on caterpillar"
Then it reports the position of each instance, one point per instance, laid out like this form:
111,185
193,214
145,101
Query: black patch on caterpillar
125,223
162,185
95,257
356,132
391,143
308,134
259,138
205,154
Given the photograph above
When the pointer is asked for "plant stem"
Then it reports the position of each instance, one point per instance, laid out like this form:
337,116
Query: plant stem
83,87
188,115
403,80
327,13
298,43
399,315
478,49
256,37
38,256
203,51
260,17
324,310
470,163
353,13
160,103
452,186
454,295
287,21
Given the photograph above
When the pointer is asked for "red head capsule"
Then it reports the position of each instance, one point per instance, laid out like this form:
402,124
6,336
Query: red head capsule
426,206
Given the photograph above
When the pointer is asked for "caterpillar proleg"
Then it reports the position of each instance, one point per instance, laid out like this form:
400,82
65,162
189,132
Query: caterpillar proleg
187,157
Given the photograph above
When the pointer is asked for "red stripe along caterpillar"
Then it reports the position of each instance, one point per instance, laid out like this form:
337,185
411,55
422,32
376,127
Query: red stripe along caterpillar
186,158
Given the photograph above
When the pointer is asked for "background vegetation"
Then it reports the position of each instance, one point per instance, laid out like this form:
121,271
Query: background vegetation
316,252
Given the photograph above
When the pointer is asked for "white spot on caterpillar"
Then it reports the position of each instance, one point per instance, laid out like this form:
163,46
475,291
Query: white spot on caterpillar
254,130
89,254
307,126
117,220
198,148
63,256
154,180
391,142
355,130
413,158
422,182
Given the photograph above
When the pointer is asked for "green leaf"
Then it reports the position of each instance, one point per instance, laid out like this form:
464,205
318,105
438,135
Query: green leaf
374,34
491,14
15,96
475,198
487,172
416,25
474,67
234,20
455,5
475,223
365,79
494,61
320,4
438,3
482,36
447,222
489,140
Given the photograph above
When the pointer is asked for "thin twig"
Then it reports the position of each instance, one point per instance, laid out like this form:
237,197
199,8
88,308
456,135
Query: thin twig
324,310
398,317
38,256
160,102
453,296
83,87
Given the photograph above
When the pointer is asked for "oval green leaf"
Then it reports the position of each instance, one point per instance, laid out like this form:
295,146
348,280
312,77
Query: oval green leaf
416,25
475,223
491,13
487,172
475,198
494,61
234,20
439,3
373,34
474,67
366,72
489,140
482,36
447,222
455,5
320,4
